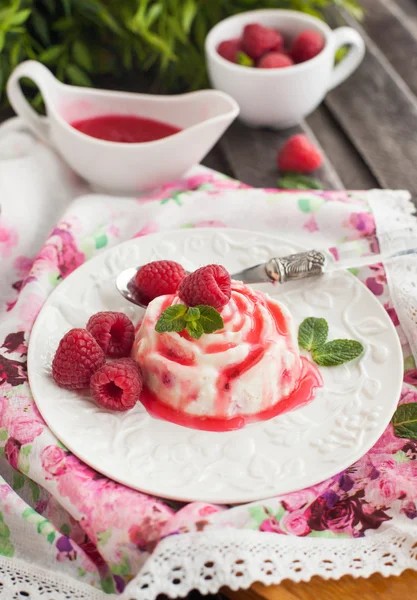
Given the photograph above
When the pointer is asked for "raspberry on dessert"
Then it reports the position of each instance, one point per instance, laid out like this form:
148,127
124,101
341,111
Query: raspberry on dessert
274,60
159,278
210,285
113,331
306,45
117,385
78,356
258,39
229,49
299,155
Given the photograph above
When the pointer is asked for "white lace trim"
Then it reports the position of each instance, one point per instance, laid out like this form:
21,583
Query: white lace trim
20,580
394,210
235,558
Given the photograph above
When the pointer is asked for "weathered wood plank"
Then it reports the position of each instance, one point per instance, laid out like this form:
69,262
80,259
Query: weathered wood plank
348,163
378,112
216,160
375,587
252,155
408,8
395,35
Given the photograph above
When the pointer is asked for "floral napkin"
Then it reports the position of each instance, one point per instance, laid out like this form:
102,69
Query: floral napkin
59,517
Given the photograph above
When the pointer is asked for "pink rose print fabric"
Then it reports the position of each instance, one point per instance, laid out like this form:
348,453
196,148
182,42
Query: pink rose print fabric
101,532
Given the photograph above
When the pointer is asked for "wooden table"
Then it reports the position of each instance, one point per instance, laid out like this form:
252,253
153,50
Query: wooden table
367,129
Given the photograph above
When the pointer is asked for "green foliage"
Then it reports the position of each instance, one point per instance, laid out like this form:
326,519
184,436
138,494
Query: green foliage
81,40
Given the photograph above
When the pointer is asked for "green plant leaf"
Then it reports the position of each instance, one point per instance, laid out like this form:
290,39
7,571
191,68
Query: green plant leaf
77,76
81,55
153,13
210,319
51,54
244,60
312,333
172,319
337,352
295,181
40,26
405,421
192,314
195,329
66,4
189,12
20,17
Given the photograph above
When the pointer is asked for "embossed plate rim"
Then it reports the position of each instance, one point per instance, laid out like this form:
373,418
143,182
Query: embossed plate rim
206,492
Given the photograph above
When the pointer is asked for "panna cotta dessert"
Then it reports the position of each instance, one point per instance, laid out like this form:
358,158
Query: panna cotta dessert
248,369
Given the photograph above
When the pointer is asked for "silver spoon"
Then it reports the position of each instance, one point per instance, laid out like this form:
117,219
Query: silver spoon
359,253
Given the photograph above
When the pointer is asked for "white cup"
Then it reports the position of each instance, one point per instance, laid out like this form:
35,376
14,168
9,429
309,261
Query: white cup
281,98
117,167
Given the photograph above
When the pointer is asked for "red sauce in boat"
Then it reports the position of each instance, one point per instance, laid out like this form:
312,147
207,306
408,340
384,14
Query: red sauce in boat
128,129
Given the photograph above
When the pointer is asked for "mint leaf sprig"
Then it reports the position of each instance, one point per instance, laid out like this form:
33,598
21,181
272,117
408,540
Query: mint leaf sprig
405,421
196,320
312,336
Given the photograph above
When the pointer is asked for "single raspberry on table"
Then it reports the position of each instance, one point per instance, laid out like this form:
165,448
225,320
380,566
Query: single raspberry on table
258,39
299,155
229,49
78,356
113,331
117,385
210,285
159,278
274,60
306,45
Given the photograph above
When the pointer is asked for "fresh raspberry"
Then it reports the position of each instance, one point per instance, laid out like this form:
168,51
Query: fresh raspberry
306,45
274,60
258,39
78,356
114,333
208,285
229,49
117,385
299,155
159,278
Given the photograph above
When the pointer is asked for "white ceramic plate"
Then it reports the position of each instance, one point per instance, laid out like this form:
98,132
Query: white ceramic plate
289,452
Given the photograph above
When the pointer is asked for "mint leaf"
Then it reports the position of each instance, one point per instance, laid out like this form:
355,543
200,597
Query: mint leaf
244,60
195,329
405,421
210,319
337,352
312,333
295,181
192,314
172,319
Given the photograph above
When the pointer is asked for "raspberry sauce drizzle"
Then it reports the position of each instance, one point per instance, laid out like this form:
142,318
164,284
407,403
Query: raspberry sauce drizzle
310,380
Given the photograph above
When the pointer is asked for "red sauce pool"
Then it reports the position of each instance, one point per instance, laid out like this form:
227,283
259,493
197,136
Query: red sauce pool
310,380
125,128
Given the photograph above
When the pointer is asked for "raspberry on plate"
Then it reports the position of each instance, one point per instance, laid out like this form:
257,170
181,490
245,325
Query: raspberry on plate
229,49
299,155
258,39
306,45
78,356
117,385
210,285
274,60
159,278
114,333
